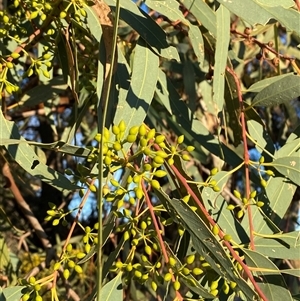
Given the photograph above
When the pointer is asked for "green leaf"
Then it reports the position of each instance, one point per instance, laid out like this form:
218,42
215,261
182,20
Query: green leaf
260,85
25,156
111,259
262,139
13,293
257,13
271,283
113,290
197,288
203,13
170,9
277,198
285,89
147,28
58,146
134,109
290,148
199,136
204,241
222,43
95,27
4,254
233,108
45,92
272,3
293,272
197,42
189,86
285,246
216,205
289,167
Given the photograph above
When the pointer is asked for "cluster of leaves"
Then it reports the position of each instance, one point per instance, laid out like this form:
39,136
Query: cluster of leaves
159,98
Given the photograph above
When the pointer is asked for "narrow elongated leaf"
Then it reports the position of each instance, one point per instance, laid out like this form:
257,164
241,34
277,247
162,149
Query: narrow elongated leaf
196,287
289,167
189,86
170,9
199,135
96,30
285,89
233,108
273,3
261,136
285,246
146,27
222,43
203,13
143,84
277,198
24,155
260,85
293,272
112,258
290,148
205,242
257,13
58,146
217,208
197,42
13,293
43,93
113,290
272,283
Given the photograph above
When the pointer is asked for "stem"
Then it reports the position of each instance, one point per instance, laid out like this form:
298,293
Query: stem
246,154
100,158
221,233
160,239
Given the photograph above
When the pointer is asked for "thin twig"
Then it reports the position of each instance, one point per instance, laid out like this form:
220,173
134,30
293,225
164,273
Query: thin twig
246,153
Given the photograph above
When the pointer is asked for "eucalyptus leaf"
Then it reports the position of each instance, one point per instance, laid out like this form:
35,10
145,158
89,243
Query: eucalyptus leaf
147,28
170,9
113,290
216,206
205,242
285,246
203,13
134,108
262,139
199,135
285,89
25,156
290,148
277,198
44,92
289,167
262,84
256,12
292,272
271,283
59,146
13,293
222,43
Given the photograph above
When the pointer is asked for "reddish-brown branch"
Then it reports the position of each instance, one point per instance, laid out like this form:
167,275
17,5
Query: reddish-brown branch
160,239
221,233
246,153
298,4
261,45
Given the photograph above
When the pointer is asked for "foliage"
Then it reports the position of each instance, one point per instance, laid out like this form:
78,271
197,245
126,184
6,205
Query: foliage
178,121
